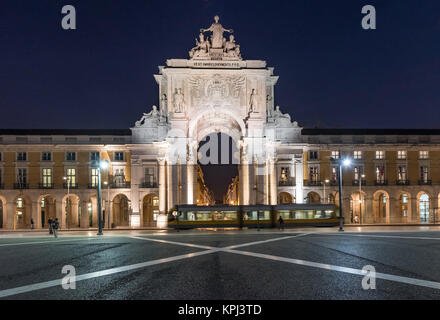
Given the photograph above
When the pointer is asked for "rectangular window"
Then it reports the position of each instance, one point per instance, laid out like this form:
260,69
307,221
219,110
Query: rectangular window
22,176
71,177
335,155
1,177
401,155
70,156
21,156
313,155
380,174
357,155
423,154
334,175
150,177
357,173
119,178
424,173
314,174
401,173
119,156
46,156
284,174
94,156
1,156
94,177
155,214
380,155
47,177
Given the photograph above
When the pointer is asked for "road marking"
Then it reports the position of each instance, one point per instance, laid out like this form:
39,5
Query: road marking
48,241
263,241
210,247
54,283
229,249
385,276
374,236
173,242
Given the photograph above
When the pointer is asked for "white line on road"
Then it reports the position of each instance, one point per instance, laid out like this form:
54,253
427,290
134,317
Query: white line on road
412,281
229,249
48,241
173,242
263,241
374,236
54,283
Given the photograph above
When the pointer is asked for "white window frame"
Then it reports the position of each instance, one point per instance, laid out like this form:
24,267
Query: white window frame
423,155
358,155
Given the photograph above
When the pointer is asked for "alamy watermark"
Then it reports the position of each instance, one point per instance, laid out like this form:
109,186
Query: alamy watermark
369,280
69,281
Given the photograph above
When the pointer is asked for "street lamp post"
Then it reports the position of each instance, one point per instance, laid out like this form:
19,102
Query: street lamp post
106,183
360,198
345,162
101,165
67,200
324,183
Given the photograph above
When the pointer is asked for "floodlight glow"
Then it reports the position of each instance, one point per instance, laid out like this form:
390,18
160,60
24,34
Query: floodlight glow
346,162
104,165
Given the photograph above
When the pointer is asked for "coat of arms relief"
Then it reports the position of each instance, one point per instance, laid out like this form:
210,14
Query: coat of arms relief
217,91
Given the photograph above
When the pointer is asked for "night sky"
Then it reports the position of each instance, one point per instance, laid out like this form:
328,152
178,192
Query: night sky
332,72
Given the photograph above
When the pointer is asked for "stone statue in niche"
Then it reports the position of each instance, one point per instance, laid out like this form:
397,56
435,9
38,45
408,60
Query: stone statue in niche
269,106
179,102
201,49
217,33
253,102
163,105
153,116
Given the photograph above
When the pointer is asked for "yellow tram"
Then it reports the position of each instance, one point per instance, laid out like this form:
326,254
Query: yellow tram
253,216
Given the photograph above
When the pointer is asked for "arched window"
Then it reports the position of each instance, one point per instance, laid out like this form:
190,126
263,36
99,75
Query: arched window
424,208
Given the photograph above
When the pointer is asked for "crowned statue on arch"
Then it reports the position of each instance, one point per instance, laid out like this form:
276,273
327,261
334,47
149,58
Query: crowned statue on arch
217,40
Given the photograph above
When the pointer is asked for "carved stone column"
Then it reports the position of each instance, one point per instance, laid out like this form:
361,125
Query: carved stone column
84,215
162,187
59,213
10,214
299,180
273,182
35,215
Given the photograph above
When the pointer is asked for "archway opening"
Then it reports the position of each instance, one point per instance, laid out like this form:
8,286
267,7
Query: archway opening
22,217
313,197
71,211
150,209
404,207
121,215
48,211
424,207
285,197
217,176
357,207
381,207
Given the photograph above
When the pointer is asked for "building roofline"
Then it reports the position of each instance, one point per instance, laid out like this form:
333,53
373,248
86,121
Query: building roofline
329,131
66,132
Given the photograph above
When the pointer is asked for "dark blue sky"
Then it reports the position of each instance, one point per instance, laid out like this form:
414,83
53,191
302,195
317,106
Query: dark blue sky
332,72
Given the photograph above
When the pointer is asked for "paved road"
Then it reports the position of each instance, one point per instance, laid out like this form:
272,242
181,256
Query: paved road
306,264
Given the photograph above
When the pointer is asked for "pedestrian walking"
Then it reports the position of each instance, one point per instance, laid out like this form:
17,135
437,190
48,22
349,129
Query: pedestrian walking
281,222
50,222
55,227
32,224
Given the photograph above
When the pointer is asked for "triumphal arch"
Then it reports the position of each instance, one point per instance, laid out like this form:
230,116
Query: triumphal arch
215,90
